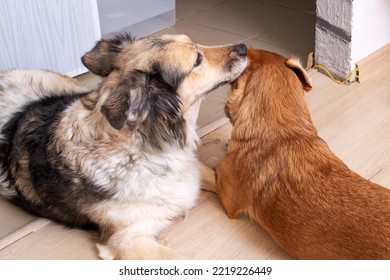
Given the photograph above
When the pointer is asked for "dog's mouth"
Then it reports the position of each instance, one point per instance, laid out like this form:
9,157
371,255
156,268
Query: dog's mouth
204,94
220,84
240,68
215,87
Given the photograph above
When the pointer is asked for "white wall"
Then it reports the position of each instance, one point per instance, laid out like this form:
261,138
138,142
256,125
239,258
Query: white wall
54,34
138,17
349,30
47,34
370,27
334,36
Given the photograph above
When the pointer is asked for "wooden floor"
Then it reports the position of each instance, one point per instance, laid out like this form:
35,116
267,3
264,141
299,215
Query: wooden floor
353,119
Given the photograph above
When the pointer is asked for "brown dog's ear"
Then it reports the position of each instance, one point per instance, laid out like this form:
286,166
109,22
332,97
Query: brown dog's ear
124,102
101,59
296,66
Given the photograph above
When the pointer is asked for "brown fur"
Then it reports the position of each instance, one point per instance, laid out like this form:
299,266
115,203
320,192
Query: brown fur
280,172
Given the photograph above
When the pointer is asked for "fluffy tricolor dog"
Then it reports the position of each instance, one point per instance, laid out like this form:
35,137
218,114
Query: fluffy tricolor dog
122,157
284,176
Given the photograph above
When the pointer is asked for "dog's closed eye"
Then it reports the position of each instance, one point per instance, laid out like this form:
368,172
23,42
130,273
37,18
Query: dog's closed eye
199,60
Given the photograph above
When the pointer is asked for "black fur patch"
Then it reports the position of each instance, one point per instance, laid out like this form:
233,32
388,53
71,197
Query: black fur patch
30,131
157,111
119,40
165,123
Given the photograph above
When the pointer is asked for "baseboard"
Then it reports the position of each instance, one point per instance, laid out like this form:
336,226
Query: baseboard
211,126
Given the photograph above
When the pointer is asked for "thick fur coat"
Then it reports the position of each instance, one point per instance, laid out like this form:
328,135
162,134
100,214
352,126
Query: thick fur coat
121,158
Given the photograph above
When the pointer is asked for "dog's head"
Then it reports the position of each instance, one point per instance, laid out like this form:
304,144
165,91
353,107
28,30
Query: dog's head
270,82
153,81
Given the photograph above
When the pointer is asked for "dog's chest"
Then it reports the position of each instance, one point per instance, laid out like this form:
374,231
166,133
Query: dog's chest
163,176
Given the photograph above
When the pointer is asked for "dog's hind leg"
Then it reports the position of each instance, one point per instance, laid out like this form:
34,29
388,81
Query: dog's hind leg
207,177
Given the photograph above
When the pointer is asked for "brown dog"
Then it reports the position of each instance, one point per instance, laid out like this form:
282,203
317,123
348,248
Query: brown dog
280,172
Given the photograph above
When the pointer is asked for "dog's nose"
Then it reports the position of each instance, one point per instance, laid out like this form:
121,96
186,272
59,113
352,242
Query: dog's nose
240,49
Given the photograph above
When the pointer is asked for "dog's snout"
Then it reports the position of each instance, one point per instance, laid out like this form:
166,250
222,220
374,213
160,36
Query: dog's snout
240,49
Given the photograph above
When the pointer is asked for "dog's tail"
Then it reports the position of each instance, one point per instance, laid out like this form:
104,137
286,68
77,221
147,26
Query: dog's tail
19,88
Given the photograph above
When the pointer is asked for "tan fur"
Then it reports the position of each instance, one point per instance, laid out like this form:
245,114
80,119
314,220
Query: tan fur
285,177
24,181
121,157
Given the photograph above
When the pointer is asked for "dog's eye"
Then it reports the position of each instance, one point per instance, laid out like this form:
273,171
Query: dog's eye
198,60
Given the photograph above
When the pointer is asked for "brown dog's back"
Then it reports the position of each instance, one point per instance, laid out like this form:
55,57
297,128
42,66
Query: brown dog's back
285,177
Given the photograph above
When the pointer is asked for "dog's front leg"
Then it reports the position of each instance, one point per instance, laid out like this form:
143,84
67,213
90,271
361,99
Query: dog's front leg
207,177
123,245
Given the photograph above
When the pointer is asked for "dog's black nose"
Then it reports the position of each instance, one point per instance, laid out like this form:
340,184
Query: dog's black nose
240,49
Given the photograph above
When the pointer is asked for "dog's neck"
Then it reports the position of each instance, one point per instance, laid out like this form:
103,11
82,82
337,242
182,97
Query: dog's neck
87,122
95,126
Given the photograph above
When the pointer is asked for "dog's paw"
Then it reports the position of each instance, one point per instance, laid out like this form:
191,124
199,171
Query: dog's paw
166,253
208,179
105,252
139,248
155,252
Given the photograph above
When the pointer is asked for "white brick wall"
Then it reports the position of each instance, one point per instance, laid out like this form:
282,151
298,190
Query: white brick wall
349,30
333,36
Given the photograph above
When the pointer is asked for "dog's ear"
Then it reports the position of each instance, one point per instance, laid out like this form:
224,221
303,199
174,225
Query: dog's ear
125,101
302,75
101,59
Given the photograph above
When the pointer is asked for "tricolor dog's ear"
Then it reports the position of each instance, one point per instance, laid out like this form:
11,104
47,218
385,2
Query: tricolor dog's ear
125,102
302,75
101,59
